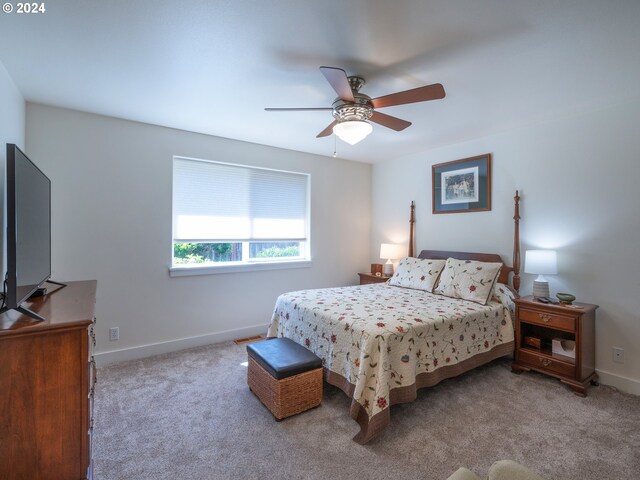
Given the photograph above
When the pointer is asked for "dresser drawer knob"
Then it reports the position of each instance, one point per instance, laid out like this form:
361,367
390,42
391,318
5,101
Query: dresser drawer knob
545,362
544,317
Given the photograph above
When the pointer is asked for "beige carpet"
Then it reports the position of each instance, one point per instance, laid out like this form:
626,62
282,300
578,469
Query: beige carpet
190,415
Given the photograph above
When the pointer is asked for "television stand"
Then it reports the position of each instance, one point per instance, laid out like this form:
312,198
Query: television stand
39,292
62,285
25,311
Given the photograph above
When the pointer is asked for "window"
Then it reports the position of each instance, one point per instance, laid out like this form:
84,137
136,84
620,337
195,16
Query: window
233,215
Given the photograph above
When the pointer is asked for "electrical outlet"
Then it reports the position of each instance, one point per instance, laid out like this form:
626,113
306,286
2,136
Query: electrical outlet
114,334
618,355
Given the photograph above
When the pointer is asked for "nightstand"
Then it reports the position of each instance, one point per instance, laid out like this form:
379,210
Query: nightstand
367,278
538,324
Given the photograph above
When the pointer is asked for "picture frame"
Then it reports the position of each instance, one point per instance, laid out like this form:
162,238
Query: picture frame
462,185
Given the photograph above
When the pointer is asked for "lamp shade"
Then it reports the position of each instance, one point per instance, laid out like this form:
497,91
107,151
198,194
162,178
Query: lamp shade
542,262
352,131
390,251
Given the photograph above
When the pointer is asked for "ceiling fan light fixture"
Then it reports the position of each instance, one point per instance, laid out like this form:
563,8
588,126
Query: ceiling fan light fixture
352,131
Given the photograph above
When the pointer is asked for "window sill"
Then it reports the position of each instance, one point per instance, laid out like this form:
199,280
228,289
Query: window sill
238,268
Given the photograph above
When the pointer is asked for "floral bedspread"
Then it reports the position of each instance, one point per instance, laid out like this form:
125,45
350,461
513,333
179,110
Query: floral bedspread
380,337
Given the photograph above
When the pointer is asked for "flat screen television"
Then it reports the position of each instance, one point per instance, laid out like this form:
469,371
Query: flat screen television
28,230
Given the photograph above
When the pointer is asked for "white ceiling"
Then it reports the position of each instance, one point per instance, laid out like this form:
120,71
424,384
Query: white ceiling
212,66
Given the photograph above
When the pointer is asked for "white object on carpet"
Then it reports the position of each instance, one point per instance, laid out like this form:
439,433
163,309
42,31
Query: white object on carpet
501,470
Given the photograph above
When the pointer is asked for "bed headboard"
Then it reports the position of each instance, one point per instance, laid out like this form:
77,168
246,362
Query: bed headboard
481,257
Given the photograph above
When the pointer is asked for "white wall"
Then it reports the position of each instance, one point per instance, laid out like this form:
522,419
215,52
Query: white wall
579,178
111,190
12,126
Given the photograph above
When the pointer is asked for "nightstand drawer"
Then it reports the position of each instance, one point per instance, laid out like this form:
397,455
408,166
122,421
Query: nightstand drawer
367,278
547,363
366,281
547,319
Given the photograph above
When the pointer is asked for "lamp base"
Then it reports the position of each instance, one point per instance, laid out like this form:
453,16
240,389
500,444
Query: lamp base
388,269
540,289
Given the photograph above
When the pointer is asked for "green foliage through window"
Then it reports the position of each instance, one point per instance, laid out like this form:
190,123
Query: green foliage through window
201,253
185,253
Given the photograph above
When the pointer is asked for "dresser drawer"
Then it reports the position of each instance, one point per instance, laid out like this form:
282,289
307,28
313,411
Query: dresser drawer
547,363
546,319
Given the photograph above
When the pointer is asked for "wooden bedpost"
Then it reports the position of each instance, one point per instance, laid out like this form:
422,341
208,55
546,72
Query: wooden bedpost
412,221
516,243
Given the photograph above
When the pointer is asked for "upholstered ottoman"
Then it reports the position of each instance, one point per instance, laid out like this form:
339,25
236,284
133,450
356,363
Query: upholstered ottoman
285,376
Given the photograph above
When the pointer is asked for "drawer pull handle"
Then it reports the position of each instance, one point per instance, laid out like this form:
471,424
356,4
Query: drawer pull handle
94,370
545,362
544,317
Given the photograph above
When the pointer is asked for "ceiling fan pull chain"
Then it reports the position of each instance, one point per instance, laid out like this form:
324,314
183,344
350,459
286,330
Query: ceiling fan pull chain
335,146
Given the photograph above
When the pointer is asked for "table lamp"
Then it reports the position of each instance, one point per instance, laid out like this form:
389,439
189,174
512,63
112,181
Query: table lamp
540,262
390,251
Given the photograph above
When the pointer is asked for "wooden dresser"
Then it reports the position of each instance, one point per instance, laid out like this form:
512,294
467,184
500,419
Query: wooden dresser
47,378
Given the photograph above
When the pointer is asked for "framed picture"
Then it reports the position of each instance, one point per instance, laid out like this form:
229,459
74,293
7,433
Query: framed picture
462,185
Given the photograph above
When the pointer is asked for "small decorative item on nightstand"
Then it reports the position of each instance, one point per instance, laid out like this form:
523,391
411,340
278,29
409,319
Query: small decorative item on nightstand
565,298
376,269
533,342
566,338
563,347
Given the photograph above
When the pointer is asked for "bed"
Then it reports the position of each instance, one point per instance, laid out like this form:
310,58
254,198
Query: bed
380,343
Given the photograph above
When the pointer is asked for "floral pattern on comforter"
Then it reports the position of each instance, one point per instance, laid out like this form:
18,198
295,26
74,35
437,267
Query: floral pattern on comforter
380,337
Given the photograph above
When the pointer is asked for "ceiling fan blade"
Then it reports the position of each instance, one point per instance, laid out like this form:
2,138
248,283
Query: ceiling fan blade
312,109
388,121
420,94
337,77
327,131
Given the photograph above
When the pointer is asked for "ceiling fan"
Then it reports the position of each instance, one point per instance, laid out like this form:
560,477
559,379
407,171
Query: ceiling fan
352,109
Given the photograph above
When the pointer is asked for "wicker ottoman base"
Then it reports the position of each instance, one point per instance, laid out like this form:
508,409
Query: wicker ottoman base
288,396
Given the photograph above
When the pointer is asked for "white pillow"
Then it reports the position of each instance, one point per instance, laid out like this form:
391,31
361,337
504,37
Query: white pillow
468,279
417,273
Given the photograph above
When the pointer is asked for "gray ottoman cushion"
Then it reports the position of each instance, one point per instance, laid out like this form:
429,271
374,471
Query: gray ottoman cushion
283,358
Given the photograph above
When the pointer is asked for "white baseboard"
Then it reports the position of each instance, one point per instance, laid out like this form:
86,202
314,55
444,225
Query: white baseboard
624,384
143,351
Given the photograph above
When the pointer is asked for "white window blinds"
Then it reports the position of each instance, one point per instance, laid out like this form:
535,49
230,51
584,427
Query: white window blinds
222,202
